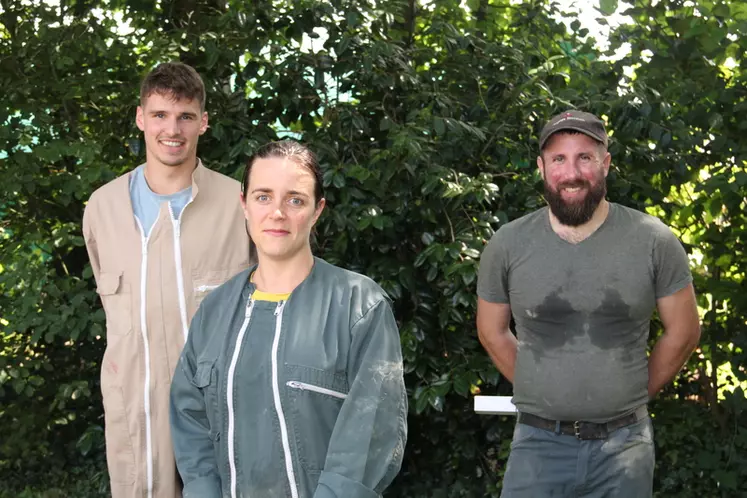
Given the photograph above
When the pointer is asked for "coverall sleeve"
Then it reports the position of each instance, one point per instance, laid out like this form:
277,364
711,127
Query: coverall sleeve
368,441
90,240
190,427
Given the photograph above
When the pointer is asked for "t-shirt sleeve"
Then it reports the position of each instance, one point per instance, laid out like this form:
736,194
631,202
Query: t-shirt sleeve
492,277
671,266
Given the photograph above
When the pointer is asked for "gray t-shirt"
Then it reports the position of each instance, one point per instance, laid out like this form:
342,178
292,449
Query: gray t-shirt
146,204
582,311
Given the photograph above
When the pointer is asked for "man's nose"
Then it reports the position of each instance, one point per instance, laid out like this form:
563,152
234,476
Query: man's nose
572,169
173,127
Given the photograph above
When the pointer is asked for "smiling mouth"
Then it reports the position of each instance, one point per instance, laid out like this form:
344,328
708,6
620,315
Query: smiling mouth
172,143
572,188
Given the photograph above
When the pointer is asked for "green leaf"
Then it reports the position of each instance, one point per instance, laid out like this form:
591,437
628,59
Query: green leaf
462,385
468,277
352,18
422,400
343,45
364,222
724,261
420,258
471,253
85,443
726,478
437,402
439,126
666,139
432,273
36,381
721,10
18,385
655,132
607,7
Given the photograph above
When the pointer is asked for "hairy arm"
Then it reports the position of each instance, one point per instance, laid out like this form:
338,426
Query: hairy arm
679,314
493,321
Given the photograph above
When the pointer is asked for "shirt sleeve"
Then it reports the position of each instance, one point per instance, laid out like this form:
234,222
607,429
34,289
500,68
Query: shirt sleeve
190,427
492,276
368,441
671,265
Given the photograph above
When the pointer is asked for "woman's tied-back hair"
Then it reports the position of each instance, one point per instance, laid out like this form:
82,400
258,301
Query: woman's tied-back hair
290,149
176,80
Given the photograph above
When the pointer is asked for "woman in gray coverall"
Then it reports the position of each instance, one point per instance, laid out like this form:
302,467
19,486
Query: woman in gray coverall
290,383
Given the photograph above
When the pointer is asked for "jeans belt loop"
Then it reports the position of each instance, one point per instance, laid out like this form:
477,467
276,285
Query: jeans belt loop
577,429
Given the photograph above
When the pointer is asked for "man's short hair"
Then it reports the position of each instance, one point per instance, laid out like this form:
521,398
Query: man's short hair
174,79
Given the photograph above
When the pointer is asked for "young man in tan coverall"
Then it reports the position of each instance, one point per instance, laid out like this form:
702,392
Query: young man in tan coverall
159,238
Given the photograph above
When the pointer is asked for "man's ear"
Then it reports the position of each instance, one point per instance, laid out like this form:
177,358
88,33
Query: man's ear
606,163
204,122
140,118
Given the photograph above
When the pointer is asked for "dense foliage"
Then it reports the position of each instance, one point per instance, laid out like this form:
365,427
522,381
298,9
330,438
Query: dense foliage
425,117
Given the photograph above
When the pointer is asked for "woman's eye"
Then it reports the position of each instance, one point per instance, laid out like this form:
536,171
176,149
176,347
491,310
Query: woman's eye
295,201
263,198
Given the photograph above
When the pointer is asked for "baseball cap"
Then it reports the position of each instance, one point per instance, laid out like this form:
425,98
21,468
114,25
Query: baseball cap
582,122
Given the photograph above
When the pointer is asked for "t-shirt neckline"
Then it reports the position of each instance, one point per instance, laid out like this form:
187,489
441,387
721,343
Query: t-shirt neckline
595,234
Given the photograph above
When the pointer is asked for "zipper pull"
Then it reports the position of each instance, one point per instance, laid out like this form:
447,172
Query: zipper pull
249,307
279,309
174,220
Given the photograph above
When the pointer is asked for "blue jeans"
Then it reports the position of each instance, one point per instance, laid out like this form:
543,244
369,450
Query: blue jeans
546,464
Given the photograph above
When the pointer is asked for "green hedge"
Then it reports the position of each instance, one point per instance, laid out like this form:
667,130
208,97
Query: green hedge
425,117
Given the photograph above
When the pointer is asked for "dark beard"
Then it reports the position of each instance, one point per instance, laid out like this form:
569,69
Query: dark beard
576,214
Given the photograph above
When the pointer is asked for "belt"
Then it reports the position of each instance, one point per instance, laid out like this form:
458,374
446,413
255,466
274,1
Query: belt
582,430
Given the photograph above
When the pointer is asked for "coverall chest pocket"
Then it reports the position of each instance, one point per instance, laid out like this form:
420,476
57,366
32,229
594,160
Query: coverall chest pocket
206,379
117,301
316,398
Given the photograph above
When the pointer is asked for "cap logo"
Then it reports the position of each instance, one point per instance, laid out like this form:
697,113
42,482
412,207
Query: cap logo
566,117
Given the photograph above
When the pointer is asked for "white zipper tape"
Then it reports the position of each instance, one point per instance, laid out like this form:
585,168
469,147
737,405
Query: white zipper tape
229,397
278,405
146,350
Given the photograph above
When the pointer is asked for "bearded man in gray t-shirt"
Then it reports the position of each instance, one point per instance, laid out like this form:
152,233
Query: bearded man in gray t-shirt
581,279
